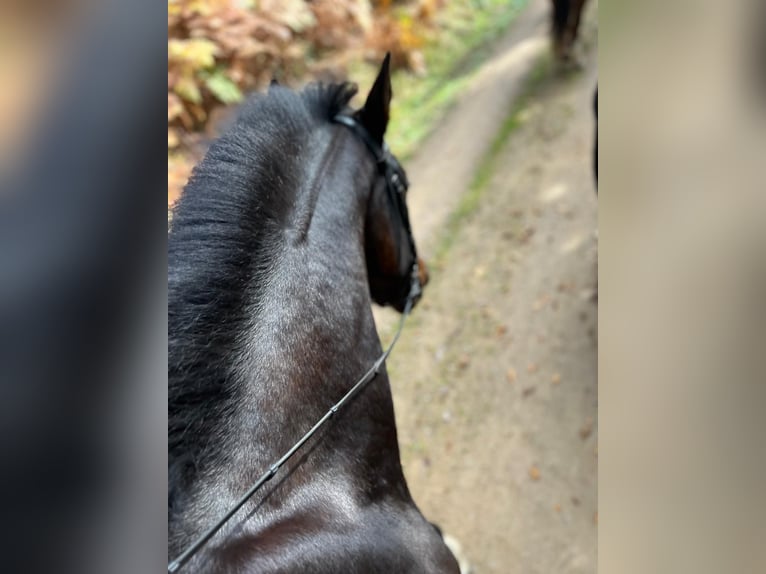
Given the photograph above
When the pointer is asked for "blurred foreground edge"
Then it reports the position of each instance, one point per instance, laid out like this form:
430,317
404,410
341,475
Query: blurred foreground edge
82,251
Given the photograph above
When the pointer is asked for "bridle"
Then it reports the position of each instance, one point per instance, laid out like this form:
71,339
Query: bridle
392,172
396,185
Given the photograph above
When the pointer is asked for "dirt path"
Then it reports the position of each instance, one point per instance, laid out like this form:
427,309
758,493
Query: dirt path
495,378
445,163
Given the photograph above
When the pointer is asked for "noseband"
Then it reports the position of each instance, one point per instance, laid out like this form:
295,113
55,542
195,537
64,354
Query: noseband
396,184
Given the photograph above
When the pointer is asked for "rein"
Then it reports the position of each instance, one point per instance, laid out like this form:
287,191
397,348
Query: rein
397,184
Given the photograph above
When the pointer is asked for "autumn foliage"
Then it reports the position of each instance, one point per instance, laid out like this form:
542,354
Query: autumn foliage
220,49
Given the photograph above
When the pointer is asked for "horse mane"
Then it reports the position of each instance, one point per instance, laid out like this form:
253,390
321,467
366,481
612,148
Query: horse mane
221,241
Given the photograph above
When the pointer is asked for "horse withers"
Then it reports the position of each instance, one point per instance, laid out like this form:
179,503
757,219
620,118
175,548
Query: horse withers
284,235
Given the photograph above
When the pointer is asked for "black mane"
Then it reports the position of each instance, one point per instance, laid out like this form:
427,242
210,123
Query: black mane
221,241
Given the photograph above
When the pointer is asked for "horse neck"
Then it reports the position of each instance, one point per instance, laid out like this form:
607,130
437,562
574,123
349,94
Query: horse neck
317,300
266,334
311,331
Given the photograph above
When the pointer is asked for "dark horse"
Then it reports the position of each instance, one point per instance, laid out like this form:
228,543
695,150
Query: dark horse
595,138
283,237
565,25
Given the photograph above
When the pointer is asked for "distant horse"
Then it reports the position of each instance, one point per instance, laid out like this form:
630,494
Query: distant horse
285,234
565,25
595,138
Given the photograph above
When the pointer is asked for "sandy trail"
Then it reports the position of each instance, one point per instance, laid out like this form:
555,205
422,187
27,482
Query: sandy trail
495,378
446,162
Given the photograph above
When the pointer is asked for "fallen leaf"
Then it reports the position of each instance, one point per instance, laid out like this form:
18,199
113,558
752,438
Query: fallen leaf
173,140
556,379
534,473
527,234
510,374
586,429
532,368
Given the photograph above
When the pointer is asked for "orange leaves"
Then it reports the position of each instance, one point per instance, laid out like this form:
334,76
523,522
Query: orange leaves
216,49
219,49
195,53
403,32
340,25
175,107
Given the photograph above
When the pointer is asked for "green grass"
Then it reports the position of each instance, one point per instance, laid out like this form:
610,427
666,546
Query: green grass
471,199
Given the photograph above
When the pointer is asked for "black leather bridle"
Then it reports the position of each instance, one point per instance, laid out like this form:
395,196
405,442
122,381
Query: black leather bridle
396,184
396,180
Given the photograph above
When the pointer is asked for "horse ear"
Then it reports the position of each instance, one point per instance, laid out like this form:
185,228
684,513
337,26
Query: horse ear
375,112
